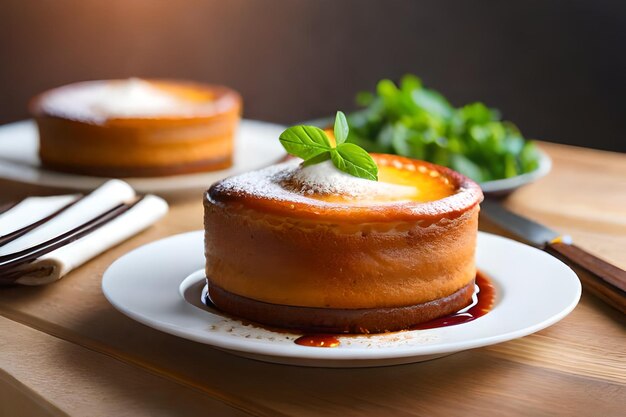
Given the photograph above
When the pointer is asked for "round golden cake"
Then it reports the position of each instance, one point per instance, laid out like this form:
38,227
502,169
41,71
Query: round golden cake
314,249
136,128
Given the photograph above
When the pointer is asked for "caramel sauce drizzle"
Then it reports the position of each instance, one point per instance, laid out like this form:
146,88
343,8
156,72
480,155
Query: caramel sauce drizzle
318,340
482,302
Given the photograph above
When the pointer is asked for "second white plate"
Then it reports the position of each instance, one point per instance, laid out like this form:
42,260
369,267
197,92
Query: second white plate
534,291
256,146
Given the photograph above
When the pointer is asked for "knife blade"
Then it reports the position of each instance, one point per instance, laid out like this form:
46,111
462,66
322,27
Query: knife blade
531,232
606,281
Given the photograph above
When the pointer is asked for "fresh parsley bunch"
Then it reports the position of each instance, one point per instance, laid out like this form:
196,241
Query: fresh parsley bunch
313,145
416,122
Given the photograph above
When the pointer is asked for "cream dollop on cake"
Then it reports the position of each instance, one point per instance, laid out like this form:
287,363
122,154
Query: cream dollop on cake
103,100
324,180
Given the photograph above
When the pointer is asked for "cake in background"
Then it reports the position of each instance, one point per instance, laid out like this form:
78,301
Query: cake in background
137,128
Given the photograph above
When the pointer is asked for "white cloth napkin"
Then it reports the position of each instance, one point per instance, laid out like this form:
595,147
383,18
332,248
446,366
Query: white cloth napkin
55,264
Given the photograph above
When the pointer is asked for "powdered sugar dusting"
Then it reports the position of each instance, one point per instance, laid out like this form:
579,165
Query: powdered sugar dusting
289,181
325,179
102,100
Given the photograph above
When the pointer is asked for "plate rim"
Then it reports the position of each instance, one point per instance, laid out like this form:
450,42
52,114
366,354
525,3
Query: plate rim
331,355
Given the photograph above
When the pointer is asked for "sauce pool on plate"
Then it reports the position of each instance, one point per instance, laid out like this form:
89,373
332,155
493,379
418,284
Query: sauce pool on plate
482,303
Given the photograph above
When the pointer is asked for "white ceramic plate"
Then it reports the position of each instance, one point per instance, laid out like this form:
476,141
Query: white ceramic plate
256,146
157,285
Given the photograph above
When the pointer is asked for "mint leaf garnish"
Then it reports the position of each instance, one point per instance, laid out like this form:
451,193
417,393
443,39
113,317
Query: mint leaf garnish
341,128
317,159
354,160
313,145
305,141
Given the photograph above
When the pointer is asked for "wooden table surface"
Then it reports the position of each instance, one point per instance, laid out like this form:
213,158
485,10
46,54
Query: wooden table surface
64,350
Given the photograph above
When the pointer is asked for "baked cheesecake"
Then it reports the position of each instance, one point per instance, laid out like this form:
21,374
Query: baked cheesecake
135,128
315,249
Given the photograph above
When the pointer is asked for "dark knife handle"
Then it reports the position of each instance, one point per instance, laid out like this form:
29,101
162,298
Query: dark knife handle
599,277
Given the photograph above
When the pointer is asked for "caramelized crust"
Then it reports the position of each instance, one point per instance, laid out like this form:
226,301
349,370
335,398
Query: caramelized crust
467,195
307,253
143,146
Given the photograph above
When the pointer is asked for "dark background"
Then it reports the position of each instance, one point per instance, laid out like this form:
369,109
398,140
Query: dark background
556,68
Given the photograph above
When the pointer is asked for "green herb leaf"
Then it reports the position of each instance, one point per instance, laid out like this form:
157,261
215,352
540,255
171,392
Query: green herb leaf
341,128
409,83
409,119
354,160
317,159
364,98
311,144
529,157
305,141
433,102
510,166
466,167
